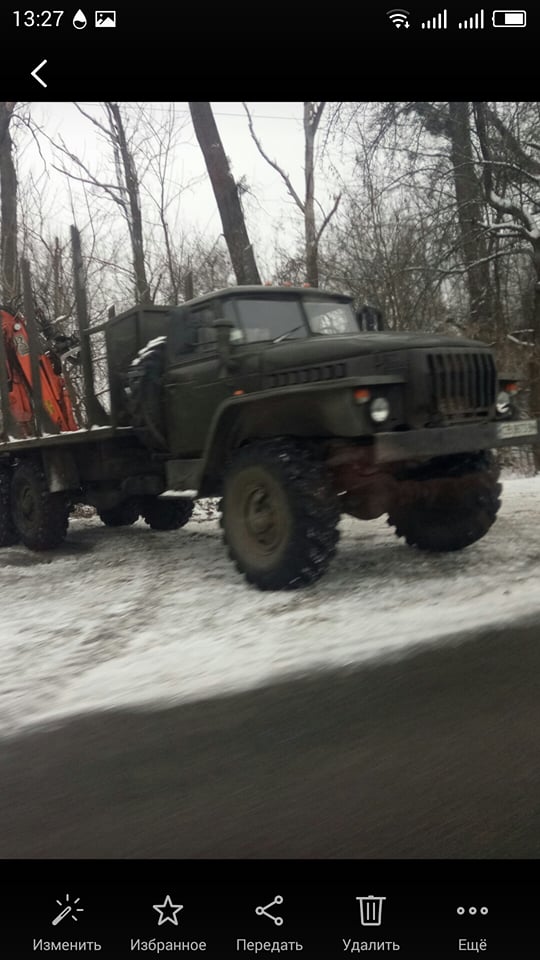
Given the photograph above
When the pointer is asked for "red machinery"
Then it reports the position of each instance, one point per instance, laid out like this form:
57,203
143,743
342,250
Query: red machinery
56,400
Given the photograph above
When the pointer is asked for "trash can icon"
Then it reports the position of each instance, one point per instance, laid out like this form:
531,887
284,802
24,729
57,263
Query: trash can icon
371,910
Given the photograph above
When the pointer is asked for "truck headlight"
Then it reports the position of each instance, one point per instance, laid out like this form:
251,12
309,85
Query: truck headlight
379,409
503,402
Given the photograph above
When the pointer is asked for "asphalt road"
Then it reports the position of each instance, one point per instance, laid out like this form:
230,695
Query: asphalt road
433,756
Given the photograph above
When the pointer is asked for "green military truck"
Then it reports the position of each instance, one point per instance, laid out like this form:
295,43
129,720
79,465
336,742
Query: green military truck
280,402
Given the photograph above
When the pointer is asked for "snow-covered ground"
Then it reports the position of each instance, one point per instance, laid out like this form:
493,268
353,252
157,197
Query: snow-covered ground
129,616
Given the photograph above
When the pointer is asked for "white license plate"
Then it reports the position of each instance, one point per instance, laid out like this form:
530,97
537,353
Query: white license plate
517,428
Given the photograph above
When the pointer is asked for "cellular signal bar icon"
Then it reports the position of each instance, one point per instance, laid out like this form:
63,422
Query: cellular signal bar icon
475,22
438,22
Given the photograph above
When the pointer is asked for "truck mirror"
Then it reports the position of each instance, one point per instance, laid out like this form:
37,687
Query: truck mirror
370,318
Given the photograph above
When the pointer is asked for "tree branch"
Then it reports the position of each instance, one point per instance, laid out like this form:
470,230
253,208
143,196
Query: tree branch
498,203
299,203
328,217
525,159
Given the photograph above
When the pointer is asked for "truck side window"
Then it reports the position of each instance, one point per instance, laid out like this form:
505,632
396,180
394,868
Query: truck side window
204,333
191,332
228,312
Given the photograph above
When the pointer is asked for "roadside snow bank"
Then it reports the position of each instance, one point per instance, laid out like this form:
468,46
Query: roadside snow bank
129,616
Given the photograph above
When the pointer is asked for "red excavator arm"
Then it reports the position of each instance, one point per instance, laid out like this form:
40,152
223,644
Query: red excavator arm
53,388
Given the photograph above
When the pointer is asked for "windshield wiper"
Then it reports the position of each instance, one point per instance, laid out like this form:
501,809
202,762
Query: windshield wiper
288,334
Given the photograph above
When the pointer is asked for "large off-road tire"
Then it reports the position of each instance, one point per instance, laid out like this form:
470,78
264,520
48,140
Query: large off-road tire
454,505
122,515
8,532
279,515
145,396
40,518
170,514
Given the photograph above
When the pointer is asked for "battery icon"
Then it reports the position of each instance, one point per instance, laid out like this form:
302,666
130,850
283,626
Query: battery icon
509,18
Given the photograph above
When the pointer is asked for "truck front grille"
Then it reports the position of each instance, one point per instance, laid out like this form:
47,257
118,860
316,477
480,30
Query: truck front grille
464,384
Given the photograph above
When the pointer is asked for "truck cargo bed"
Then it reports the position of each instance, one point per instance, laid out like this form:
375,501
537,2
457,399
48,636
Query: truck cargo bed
94,435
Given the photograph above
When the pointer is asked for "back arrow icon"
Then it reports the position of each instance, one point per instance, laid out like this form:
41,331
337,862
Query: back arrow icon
35,72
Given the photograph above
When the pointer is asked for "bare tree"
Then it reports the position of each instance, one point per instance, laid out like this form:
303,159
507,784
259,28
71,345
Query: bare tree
438,142
469,199
127,176
516,203
124,191
226,193
8,207
159,155
430,155
312,117
381,249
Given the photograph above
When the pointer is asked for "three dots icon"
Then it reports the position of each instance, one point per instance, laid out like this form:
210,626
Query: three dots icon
471,910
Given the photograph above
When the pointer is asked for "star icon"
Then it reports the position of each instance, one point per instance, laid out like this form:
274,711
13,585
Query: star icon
167,911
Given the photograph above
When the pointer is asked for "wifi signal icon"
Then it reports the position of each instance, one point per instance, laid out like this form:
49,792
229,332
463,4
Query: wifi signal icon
400,18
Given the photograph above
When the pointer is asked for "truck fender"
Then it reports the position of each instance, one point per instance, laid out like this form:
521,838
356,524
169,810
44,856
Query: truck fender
266,414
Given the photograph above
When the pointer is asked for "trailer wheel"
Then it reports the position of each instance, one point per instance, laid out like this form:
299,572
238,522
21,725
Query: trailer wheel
166,514
40,517
123,515
8,532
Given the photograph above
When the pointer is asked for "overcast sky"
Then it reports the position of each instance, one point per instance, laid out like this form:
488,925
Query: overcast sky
278,125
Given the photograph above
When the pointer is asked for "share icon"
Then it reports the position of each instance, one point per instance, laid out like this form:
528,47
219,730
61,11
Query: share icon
263,911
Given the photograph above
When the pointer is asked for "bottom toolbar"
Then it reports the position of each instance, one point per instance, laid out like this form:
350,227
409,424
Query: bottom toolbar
229,920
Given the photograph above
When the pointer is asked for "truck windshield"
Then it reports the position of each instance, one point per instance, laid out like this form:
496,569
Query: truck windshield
331,318
268,320
273,319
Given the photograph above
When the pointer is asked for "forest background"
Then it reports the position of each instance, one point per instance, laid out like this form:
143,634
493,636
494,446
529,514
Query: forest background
428,211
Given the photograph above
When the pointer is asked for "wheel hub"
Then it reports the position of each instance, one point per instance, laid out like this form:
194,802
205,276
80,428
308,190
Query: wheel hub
261,518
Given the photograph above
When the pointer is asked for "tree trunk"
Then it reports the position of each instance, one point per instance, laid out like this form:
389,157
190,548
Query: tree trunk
522,223
312,269
469,197
9,281
226,194
57,278
134,200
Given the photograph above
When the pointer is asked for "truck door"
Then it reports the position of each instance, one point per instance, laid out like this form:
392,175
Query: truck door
195,382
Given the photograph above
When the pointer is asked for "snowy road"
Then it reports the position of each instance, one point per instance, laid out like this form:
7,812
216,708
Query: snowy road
128,616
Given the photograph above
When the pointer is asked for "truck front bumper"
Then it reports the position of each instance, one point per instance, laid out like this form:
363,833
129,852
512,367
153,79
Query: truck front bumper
461,438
